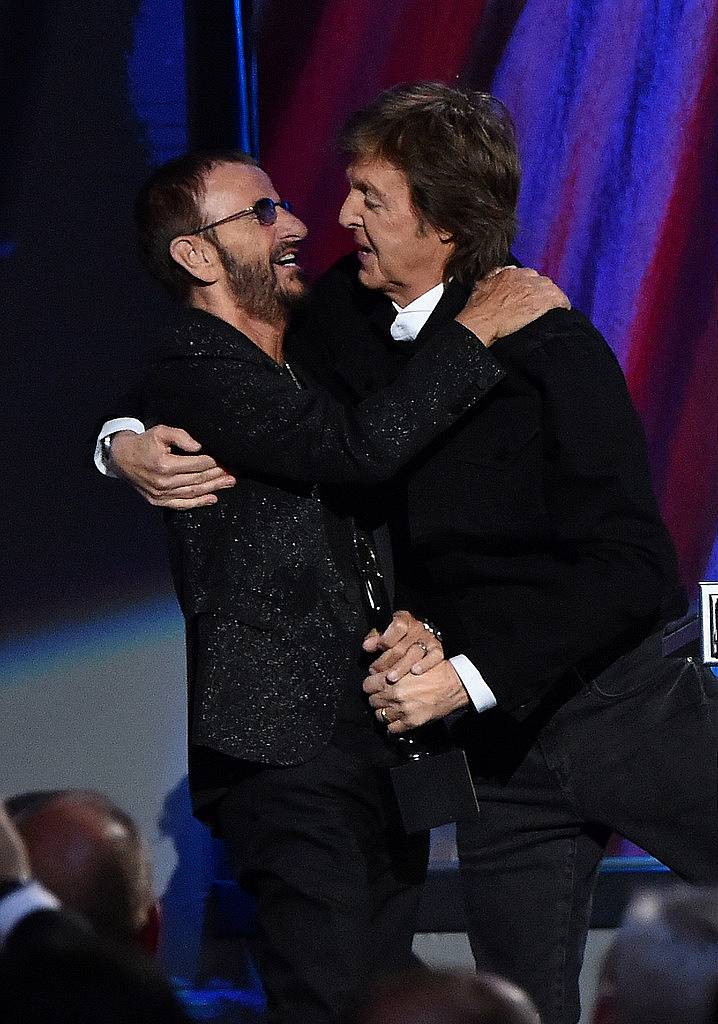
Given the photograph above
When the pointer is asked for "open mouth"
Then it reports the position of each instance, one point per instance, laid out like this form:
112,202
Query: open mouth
287,259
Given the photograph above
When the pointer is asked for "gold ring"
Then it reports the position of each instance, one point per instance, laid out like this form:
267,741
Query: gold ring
384,716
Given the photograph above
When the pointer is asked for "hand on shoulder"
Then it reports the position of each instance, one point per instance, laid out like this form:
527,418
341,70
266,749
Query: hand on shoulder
508,299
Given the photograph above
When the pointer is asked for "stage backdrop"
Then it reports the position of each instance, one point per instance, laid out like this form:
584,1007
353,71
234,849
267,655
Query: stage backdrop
616,106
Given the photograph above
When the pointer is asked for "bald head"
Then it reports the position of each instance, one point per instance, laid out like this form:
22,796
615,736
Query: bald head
663,966
444,998
91,855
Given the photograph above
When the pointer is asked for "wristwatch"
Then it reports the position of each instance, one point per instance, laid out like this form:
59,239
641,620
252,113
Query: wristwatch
431,628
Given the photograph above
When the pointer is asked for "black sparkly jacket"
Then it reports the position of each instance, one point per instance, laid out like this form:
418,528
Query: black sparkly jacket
270,600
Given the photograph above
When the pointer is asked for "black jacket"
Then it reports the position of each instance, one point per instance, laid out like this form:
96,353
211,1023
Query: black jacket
55,969
529,532
271,602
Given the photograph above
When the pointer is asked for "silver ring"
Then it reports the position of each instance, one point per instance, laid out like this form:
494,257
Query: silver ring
418,643
384,716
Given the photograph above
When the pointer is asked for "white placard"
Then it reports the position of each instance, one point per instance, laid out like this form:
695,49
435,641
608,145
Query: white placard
709,622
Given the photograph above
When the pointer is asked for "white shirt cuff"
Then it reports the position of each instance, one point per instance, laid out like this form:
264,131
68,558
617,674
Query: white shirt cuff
114,427
22,902
475,685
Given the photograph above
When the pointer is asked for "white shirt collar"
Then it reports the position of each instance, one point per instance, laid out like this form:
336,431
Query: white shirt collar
411,318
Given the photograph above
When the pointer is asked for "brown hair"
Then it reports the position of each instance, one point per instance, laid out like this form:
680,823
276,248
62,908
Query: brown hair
170,204
458,152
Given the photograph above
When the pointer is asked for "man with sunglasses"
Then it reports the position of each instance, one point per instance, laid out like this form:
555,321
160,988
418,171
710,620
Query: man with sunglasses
286,759
529,533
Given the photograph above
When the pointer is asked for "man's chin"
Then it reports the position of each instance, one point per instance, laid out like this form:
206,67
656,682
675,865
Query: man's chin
293,296
369,279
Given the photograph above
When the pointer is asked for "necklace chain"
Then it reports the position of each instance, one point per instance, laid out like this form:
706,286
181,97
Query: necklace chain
293,375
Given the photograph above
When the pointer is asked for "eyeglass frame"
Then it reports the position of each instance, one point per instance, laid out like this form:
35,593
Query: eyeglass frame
283,204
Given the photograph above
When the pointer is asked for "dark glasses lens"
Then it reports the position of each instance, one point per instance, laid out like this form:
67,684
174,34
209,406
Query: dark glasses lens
266,210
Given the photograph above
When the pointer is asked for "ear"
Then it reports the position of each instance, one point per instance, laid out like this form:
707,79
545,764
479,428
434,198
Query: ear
196,256
149,935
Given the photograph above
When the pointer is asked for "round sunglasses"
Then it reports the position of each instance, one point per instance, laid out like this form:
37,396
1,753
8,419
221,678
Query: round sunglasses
265,210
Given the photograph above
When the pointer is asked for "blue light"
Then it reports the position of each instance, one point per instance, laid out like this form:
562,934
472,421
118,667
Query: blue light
156,77
247,96
104,636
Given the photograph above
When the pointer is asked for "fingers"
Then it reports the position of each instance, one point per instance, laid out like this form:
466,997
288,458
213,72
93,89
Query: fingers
166,490
392,725
165,501
399,660
404,628
372,641
192,485
386,696
391,704
504,302
416,666
396,719
397,629
560,299
183,465
175,437
374,684
394,728
220,483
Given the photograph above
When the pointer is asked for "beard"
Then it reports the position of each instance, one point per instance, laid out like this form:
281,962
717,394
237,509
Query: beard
255,287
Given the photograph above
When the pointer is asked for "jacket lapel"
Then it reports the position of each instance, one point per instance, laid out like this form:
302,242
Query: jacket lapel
451,302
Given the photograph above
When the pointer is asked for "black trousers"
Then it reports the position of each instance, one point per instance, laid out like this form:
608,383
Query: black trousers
635,751
336,880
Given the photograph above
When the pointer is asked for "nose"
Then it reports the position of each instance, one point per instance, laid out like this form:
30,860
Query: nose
348,215
290,225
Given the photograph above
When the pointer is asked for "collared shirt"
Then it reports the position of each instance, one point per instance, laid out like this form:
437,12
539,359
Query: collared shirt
409,321
20,903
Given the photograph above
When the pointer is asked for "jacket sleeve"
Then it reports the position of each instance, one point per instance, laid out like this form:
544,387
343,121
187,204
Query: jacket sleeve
613,562
252,418
129,406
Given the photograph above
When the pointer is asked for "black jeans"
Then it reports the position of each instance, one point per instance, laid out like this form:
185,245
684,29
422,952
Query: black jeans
634,751
336,880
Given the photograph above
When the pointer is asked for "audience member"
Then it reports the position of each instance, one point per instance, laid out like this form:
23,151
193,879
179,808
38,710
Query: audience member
53,967
91,855
445,998
663,966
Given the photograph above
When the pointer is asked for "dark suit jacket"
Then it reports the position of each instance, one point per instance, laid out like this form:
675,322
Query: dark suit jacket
54,969
529,532
271,602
